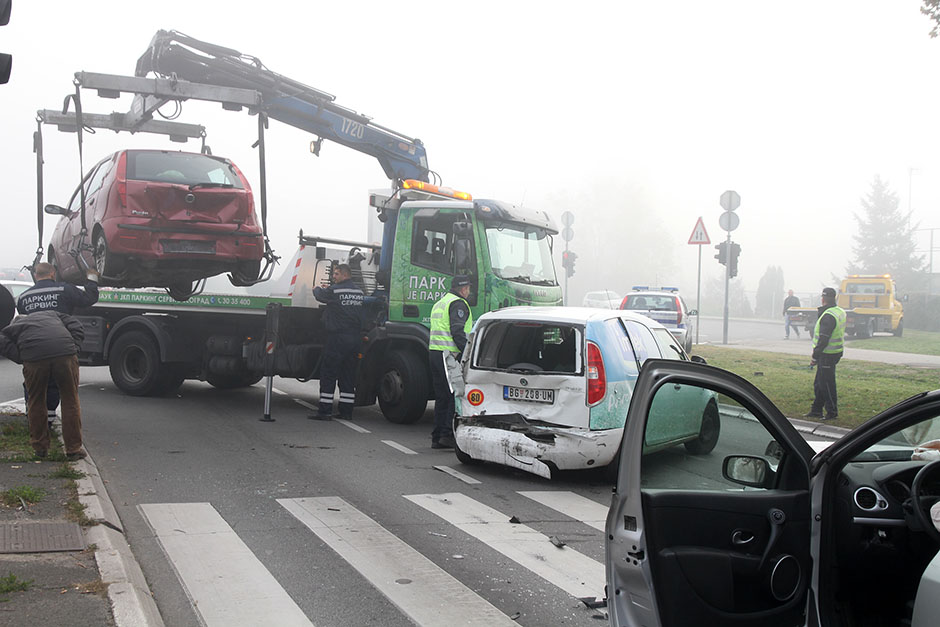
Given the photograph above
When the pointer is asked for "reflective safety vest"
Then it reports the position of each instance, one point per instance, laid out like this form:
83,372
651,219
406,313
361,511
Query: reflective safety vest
441,339
838,334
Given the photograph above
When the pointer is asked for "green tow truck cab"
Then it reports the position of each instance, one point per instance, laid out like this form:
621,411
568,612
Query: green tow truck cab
437,233
152,343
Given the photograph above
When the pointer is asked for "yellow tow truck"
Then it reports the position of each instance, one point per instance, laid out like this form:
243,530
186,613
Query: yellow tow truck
870,303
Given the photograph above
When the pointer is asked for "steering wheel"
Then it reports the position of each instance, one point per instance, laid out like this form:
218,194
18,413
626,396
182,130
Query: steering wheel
921,503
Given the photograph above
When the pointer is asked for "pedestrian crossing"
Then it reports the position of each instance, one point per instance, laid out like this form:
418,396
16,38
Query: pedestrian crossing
228,585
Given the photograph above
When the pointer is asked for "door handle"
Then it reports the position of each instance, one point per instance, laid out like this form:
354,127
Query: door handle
740,537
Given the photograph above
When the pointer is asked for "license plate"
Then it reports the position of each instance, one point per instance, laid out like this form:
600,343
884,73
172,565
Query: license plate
198,247
531,395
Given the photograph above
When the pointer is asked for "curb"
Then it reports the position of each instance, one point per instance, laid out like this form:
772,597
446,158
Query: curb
132,604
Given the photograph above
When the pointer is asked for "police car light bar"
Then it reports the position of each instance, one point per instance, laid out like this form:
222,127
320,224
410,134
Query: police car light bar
647,288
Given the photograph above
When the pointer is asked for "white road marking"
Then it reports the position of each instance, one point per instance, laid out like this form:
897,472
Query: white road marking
275,390
457,474
306,404
399,447
574,505
227,585
427,594
573,572
351,425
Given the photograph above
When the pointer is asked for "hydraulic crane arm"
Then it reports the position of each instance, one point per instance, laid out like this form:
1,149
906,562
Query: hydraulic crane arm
174,55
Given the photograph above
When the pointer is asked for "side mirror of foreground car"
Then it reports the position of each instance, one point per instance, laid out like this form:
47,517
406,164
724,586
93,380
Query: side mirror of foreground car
55,210
748,470
698,359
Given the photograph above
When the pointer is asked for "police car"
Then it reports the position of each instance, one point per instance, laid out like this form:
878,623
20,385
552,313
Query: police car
665,306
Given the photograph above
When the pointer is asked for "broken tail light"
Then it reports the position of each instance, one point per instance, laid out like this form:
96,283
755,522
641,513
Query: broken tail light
596,377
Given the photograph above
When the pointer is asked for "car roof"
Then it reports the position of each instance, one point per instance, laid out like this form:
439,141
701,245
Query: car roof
571,315
652,293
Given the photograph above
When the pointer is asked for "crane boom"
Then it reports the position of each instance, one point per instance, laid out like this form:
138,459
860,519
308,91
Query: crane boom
174,55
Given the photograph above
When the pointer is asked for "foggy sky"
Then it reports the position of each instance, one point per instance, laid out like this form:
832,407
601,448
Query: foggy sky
633,116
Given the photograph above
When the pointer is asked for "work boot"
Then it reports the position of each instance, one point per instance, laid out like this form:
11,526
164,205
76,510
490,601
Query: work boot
74,457
444,442
813,414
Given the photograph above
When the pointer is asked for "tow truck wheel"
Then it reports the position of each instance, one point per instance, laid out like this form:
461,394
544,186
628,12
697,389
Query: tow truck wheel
403,387
900,330
708,436
134,362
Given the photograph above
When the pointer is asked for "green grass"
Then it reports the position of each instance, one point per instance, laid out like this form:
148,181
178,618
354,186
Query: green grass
920,342
865,388
27,493
15,446
12,583
75,509
65,471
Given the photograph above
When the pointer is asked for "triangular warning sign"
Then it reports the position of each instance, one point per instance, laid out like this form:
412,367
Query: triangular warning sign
699,234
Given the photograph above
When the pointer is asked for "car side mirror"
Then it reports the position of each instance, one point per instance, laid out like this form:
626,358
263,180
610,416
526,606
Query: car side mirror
55,210
692,312
748,470
697,359
463,229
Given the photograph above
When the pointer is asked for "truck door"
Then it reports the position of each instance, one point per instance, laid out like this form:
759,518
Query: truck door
435,244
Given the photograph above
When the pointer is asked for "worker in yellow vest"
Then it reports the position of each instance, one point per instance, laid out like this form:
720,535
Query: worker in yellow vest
451,321
828,340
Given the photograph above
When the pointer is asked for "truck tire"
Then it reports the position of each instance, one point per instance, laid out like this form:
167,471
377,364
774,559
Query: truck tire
403,387
134,362
708,437
863,329
900,330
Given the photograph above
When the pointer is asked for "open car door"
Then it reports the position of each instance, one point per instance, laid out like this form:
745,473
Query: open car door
716,539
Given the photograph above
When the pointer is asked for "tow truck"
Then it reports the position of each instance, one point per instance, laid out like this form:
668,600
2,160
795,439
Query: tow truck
870,303
152,342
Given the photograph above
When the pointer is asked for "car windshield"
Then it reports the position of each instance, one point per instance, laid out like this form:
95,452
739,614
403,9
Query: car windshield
182,168
920,441
520,253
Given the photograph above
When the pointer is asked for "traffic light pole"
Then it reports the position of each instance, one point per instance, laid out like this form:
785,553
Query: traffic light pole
724,333
567,274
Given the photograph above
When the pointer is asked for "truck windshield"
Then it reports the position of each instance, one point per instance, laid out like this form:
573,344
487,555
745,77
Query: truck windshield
520,253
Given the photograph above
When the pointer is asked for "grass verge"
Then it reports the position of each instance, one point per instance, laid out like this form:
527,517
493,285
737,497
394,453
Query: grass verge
864,388
27,493
919,342
15,446
75,509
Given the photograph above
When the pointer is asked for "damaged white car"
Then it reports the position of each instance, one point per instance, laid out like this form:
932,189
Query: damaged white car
548,388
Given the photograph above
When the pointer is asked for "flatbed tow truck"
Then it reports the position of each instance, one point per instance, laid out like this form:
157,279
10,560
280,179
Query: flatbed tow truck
152,342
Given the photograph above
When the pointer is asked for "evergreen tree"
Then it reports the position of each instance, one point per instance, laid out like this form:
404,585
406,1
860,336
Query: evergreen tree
770,293
885,240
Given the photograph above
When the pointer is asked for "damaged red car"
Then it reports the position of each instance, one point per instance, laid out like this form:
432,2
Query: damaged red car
157,218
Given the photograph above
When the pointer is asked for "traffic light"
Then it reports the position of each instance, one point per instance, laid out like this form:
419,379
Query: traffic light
733,260
722,255
567,261
6,60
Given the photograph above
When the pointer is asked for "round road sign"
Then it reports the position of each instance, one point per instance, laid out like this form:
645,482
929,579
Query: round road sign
730,201
567,234
729,221
567,218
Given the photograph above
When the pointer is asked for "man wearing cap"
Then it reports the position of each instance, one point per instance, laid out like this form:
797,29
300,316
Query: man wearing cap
451,321
343,317
828,339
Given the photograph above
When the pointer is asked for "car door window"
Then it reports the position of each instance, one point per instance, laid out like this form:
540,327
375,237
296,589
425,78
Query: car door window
692,419
94,183
625,349
668,345
643,341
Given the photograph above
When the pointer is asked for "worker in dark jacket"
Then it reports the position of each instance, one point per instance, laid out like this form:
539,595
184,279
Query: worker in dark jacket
343,318
451,322
48,294
47,343
790,301
828,338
